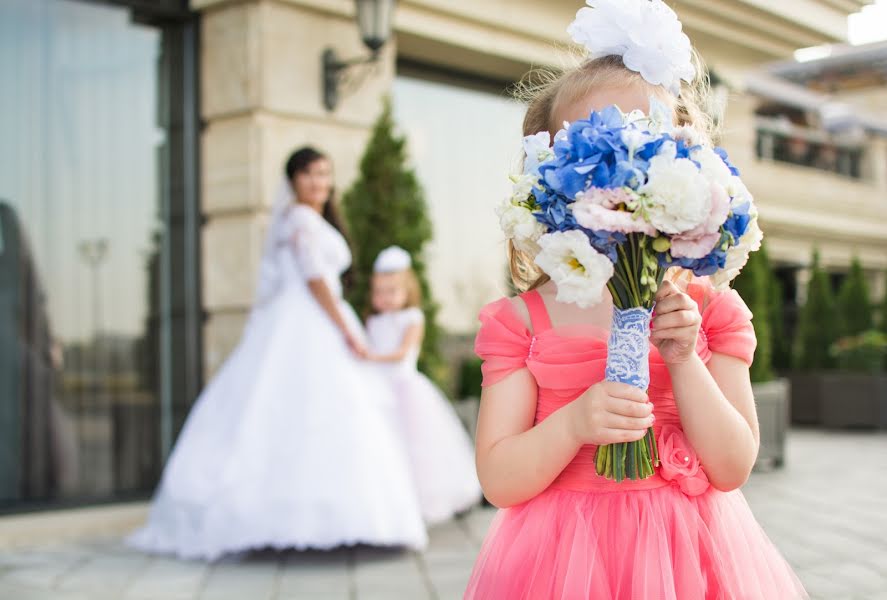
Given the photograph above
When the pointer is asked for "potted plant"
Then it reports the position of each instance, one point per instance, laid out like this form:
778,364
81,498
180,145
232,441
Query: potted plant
817,330
855,395
756,285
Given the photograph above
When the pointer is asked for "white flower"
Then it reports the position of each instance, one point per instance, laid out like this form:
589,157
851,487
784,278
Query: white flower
737,190
579,271
523,186
661,117
634,138
538,150
713,167
678,196
520,226
738,255
645,33
635,116
691,136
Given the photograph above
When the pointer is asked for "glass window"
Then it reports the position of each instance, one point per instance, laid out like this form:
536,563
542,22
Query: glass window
463,143
86,240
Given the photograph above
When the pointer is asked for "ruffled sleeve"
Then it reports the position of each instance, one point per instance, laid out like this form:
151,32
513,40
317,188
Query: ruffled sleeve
303,233
413,316
503,342
726,323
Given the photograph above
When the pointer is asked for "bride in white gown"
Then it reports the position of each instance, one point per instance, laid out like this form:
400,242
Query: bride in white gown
293,443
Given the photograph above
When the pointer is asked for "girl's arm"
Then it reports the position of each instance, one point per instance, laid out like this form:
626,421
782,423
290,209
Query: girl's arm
718,415
412,337
715,402
321,292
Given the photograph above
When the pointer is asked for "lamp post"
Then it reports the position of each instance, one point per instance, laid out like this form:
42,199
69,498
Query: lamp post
374,21
93,252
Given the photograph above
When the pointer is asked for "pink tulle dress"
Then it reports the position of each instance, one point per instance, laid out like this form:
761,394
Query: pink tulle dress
669,537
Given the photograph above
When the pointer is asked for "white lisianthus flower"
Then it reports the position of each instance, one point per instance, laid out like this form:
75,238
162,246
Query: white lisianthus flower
678,195
738,255
538,150
520,226
580,272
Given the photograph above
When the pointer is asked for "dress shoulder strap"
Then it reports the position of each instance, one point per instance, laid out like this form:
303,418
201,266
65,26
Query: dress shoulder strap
538,313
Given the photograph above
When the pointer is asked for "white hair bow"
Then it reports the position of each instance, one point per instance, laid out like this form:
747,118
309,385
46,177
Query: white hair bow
645,33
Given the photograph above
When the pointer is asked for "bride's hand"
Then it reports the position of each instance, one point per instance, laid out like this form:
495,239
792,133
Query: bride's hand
356,345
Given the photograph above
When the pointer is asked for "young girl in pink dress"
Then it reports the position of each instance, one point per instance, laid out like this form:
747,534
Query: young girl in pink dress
564,532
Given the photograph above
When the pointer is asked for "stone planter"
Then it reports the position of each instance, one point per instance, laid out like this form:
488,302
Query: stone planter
806,398
854,400
772,399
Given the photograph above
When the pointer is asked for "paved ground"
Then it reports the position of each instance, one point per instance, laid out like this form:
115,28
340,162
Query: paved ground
826,511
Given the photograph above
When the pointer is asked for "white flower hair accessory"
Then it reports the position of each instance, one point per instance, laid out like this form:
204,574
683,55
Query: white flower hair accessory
392,260
645,33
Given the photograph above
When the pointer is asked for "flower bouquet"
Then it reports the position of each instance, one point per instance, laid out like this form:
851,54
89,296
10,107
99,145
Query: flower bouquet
616,201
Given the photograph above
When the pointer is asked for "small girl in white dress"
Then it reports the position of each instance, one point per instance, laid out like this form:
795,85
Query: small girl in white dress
440,450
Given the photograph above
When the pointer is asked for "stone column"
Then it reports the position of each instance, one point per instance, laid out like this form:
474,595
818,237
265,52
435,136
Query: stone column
260,99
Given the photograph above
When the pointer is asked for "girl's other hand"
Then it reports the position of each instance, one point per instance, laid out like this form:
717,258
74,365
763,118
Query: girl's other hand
675,325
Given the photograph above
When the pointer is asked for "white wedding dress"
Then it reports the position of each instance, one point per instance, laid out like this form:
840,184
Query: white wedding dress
440,450
294,443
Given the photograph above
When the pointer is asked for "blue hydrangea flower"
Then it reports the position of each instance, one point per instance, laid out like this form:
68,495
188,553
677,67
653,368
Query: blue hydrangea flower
723,154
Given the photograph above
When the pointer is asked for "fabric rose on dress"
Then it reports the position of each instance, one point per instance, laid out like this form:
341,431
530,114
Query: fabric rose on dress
679,463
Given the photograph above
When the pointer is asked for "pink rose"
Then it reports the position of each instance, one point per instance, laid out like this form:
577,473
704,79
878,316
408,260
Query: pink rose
679,463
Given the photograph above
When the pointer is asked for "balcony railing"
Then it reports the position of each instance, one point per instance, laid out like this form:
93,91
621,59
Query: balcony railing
780,140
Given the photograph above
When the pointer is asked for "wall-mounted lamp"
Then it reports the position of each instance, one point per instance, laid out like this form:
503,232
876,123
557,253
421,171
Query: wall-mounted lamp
374,20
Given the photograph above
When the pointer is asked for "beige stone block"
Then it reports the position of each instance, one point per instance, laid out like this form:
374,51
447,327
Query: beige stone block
279,136
232,247
230,60
221,333
231,165
293,40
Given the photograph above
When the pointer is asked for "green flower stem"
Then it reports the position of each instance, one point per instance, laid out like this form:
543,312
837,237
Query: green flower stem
639,459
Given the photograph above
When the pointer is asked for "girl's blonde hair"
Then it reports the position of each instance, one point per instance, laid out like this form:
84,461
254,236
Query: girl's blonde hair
545,92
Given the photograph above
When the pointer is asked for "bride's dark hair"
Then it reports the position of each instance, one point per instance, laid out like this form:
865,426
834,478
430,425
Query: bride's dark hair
298,162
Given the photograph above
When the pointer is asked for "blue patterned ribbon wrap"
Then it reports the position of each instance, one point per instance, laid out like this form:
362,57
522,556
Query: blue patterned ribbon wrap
628,349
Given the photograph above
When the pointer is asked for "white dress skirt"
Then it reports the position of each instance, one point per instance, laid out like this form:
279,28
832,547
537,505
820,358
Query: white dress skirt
440,449
293,443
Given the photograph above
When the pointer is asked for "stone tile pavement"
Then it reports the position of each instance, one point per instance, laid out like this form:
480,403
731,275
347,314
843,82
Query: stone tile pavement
826,511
